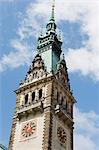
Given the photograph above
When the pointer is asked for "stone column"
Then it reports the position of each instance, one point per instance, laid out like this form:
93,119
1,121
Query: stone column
30,97
36,94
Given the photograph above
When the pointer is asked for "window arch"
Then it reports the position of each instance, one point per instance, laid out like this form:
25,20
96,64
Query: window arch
57,96
26,98
40,93
62,100
33,75
66,105
36,75
33,96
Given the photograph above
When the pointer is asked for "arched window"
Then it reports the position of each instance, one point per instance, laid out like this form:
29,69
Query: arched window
36,74
66,105
58,97
33,75
33,96
40,93
26,98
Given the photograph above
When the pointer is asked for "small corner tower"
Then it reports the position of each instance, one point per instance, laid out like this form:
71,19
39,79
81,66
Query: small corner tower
43,118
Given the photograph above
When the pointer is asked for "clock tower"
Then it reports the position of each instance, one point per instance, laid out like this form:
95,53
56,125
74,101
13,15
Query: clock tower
43,118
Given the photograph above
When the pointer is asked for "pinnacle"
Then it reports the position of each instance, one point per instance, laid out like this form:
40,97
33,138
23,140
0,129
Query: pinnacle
53,11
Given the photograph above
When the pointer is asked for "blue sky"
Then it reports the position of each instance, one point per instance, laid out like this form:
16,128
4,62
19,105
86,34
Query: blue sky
20,24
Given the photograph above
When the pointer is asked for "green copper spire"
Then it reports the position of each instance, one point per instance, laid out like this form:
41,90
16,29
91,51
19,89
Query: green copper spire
51,26
52,13
49,44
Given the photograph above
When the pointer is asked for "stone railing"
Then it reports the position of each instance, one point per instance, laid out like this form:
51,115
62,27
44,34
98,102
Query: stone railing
63,113
24,109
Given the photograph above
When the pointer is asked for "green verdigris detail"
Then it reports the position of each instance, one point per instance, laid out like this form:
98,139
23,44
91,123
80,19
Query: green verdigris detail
49,45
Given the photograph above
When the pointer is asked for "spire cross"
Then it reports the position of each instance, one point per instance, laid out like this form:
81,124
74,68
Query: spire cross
53,6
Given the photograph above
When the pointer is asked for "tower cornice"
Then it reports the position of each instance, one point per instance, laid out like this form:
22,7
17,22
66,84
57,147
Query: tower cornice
29,85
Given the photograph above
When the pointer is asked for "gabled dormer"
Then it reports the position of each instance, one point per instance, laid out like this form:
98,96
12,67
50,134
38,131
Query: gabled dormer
36,71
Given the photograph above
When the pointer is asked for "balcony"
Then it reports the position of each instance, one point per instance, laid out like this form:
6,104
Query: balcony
63,114
31,107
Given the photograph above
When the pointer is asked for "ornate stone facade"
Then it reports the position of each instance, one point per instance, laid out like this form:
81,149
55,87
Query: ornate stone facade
43,118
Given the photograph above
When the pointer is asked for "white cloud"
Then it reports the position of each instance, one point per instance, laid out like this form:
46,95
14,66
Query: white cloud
16,58
86,135
85,60
84,143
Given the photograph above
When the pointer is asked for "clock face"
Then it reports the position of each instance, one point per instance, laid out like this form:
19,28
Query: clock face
61,135
28,129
